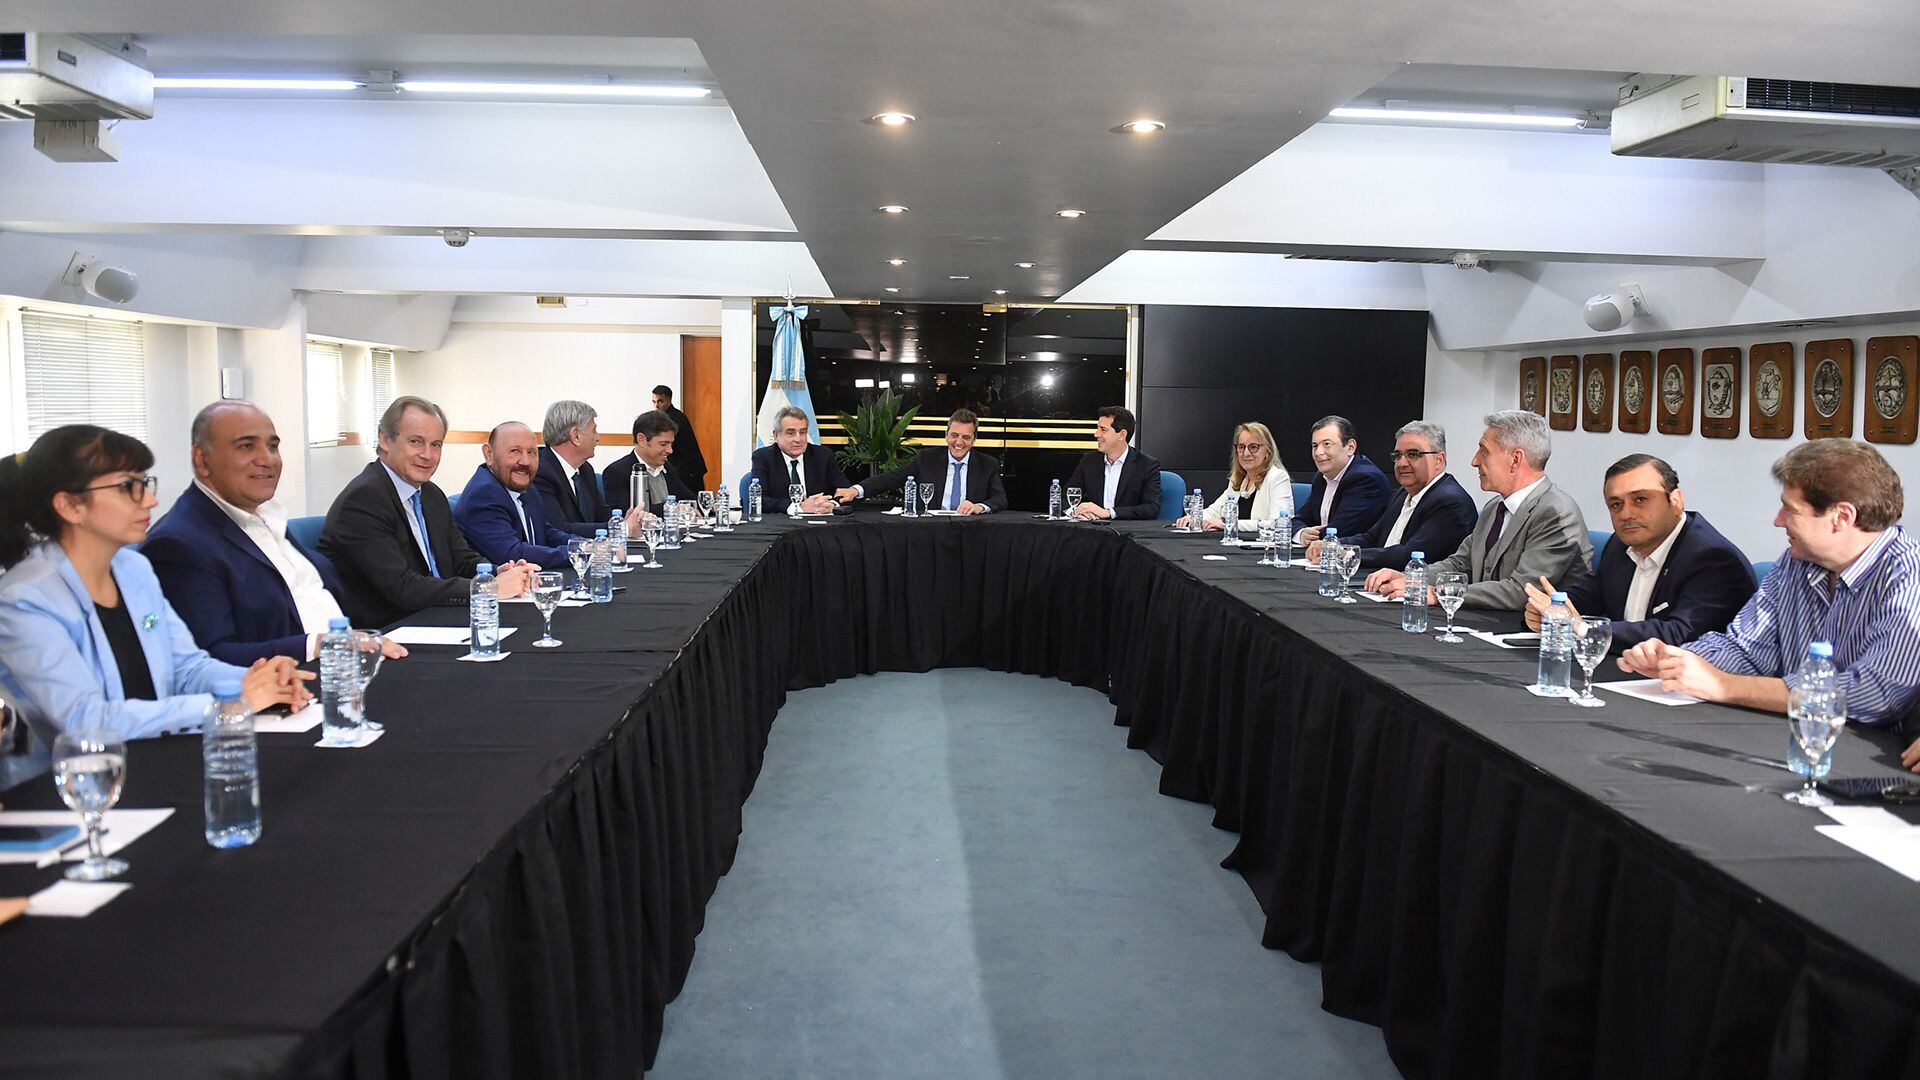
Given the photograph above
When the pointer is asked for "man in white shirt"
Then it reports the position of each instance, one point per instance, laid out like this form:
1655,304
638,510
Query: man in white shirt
243,585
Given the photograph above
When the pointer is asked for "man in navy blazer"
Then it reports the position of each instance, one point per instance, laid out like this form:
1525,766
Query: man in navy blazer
1350,492
568,489
1430,512
776,466
498,513
1666,573
244,586
1119,481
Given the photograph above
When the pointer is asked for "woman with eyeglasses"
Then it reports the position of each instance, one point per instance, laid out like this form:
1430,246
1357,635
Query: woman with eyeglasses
1257,480
87,640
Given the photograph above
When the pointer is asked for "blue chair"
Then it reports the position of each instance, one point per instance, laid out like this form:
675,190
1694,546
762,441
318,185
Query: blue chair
307,530
1173,491
1762,569
453,501
1598,538
1300,494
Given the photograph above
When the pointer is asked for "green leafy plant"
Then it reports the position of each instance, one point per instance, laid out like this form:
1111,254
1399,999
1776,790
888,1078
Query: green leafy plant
877,433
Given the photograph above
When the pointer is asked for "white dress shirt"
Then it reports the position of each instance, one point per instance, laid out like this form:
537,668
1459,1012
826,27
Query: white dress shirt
267,528
1399,529
1646,574
406,492
1333,485
799,463
526,527
1514,500
1110,486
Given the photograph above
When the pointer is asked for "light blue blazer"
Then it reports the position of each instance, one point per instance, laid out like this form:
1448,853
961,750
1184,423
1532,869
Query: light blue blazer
57,668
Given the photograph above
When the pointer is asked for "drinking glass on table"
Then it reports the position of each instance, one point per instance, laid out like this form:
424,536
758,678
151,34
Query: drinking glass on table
579,553
652,534
926,498
796,494
372,649
1592,637
1451,589
89,769
1816,717
1349,561
1269,534
547,586
1073,500
706,506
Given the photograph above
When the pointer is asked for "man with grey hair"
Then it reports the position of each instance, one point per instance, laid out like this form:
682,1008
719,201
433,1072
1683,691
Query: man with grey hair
569,491
1430,513
794,460
1532,530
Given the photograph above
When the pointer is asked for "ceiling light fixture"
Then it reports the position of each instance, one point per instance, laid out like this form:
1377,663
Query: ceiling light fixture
896,262
1024,266
1070,213
999,292
891,119
538,89
1138,127
163,83
1453,116
959,277
892,289
892,208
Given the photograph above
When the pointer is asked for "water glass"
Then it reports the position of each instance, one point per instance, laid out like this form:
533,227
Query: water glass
796,494
89,769
546,596
926,498
1592,638
1348,561
706,506
579,551
1451,589
652,535
1816,727
372,650
1073,500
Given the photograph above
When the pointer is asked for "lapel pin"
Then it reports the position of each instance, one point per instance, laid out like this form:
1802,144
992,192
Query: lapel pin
150,622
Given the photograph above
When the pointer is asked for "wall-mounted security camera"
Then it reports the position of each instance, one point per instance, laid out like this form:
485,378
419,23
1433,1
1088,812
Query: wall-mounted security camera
1469,260
95,278
456,238
1613,310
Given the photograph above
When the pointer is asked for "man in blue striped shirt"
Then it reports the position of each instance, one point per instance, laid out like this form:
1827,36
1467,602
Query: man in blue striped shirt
1850,576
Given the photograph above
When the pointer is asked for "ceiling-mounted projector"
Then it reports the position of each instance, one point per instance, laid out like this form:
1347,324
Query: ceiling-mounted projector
95,278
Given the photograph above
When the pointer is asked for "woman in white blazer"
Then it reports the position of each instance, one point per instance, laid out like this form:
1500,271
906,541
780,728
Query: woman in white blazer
1258,481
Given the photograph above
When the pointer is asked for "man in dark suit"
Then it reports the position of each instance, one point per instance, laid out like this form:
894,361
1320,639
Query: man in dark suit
791,456
687,460
390,533
1430,512
569,492
1117,481
498,515
654,437
979,490
245,587
1350,492
1666,573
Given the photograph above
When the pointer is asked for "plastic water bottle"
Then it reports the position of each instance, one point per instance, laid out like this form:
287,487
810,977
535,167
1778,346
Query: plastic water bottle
600,569
722,509
1413,607
1816,692
1329,573
1055,505
483,613
754,500
1556,649
670,525
912,492
1283,541
617,539
1230,519
232,760
1196,508
339,684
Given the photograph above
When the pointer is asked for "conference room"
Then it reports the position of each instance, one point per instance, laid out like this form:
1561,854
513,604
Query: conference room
1037,540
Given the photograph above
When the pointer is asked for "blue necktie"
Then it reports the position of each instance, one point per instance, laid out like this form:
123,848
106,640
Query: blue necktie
426,541
953,488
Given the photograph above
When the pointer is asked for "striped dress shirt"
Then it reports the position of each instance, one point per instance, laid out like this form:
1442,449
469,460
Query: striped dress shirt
1870,612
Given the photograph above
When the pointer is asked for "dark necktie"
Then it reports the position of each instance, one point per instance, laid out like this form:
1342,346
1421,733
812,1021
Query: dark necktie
526,527
953,488
1499,522
582,484
793,474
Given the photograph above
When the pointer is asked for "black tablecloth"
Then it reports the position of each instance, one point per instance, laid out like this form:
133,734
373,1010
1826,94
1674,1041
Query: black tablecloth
510,882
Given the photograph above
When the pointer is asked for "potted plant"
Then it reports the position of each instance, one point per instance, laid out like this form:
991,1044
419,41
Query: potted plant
877,435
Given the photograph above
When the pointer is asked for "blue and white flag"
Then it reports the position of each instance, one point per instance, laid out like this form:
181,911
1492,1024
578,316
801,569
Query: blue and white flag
787,384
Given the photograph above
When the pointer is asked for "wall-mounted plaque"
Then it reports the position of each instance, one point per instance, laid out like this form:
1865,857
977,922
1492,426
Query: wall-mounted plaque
1770,407
1720,393
1830,389
1563,393
1636,392
1890,389
1533,384
1673,391
1596,392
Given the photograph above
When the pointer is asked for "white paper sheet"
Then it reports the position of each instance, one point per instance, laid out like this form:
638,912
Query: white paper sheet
305,720
439,635
1647,690
122,827
1214,558
1373,596
529,600
74,899
1865,817
1526,640
494,659
366,739
1896,849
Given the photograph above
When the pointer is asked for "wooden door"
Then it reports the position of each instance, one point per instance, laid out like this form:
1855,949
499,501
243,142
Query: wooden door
699,398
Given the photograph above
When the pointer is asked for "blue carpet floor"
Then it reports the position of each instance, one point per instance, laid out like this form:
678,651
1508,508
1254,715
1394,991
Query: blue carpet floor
968,874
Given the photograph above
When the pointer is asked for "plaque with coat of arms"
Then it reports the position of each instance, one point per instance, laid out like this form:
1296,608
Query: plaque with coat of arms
1636,392
1890,391
1596,392
1563,395
1720,393
1673,391
1770,404
1829,367
1533,384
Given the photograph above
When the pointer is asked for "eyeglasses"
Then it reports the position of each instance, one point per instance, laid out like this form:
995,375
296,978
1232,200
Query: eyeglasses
1411,455
136,487
1249,447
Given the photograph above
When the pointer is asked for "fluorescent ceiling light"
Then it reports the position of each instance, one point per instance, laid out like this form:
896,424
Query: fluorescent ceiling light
1451,116
442,86
255,84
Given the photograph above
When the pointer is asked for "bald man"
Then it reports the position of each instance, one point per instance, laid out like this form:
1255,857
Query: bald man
498,516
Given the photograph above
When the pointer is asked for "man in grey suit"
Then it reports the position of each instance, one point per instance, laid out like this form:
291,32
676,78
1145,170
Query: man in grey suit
1532,528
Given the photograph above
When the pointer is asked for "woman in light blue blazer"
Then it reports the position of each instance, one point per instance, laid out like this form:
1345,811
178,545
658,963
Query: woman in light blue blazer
87,640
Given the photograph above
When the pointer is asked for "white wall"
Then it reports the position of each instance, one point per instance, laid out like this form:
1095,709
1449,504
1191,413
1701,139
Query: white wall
230,280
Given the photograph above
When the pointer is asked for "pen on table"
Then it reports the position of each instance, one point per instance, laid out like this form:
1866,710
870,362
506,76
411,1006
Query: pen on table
60,852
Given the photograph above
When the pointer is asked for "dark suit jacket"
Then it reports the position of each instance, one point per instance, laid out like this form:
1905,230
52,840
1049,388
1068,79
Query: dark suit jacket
1357,504
619,477
1702,586
487,519
554,481
932,466
817,468
226,591
686,459
1136,497
1444,518
371,545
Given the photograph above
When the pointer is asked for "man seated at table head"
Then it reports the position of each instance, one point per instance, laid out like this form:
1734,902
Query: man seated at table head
500,517
1430,512
655,435
964,480
1667,573
244,586
1349,492
1531,530
1850,576
1117,482
793,460
569,491
390,532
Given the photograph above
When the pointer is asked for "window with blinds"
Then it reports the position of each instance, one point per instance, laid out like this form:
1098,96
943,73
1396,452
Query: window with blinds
84,371
326,394
383,392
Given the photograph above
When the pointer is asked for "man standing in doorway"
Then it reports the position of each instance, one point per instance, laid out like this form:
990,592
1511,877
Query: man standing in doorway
687,460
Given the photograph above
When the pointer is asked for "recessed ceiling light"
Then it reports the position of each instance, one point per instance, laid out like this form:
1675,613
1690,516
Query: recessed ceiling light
999,292
891,119
540,89
1024,266
1138,127
1070,213
896,262
892,289
959,277
892,208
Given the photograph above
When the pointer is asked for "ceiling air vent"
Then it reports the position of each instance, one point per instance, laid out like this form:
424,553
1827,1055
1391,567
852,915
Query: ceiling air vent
1776,121
13,47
